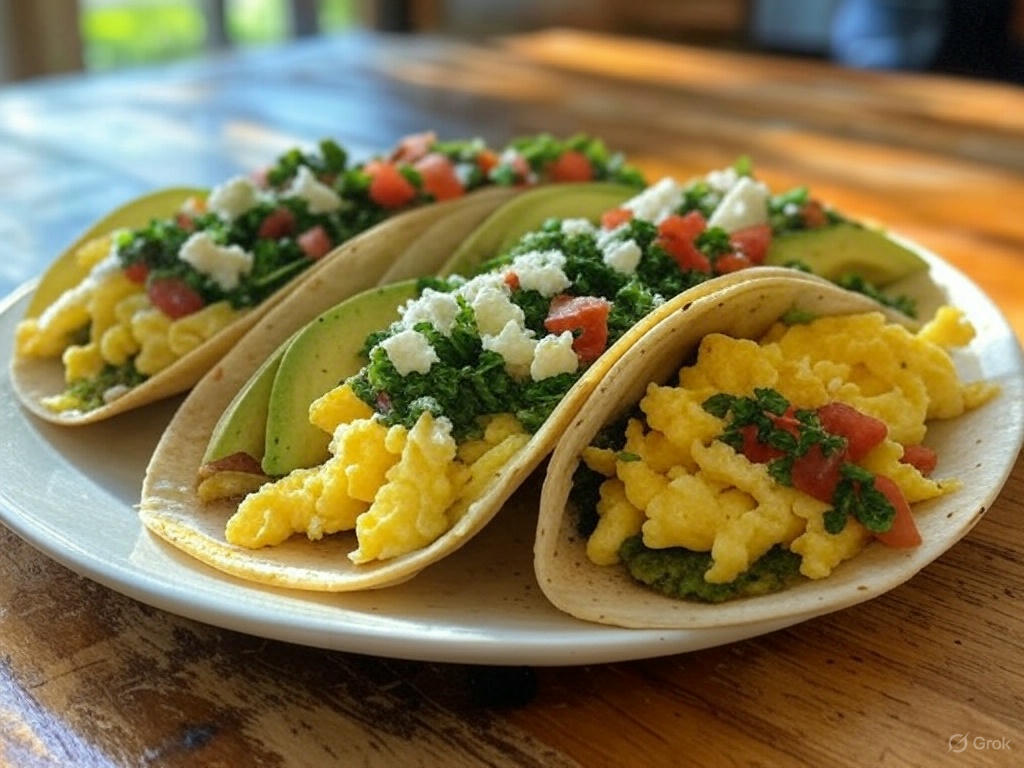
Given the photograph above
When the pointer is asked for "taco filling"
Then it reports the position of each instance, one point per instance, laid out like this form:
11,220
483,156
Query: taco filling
154,294
454,388
775,460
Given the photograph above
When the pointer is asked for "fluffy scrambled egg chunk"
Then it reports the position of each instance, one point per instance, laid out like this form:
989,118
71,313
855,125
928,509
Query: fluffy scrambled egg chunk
123,326
339,406
398,489
617,521
409,511
683,487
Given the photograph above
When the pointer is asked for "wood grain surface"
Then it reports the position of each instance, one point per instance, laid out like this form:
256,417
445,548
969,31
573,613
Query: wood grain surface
927,675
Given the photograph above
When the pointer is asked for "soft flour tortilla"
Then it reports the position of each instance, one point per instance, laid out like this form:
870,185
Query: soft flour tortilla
355,265
608,595
171,507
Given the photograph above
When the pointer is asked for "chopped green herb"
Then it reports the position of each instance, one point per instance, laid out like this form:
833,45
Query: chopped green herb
679,573
857,495
89,392
584,495
856,283
795,316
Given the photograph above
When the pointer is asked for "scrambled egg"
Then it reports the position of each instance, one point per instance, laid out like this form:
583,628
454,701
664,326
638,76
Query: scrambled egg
123,326
680,486
399,489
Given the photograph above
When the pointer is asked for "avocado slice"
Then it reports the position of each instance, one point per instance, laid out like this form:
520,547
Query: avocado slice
840,249
242,428
318,358
503,228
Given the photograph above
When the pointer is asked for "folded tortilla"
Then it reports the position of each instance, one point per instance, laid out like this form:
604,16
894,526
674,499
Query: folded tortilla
609,595
353,266
171,507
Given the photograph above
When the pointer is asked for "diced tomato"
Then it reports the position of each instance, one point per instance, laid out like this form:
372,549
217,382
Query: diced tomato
761,453
486,160
862,432
587,314
752,242
137,272
571,166
816,474
921,457
904,533
414,146
174,297
315,242
788,421
685,253
814,214
676,236
279,222
388,187
731,262
616,217
754,449
185,221
683,227
512,280
439,177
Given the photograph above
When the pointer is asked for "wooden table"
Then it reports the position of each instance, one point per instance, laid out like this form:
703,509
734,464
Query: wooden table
91,678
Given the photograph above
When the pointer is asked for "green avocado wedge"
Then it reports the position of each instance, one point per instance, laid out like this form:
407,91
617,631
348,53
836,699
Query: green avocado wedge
317,359
503,228
242,428
841,249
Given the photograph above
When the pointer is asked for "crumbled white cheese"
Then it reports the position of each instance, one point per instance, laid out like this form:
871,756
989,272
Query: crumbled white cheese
606,237
470,289
435,307
465,172
493,311
791,209
409,351
657,202
722,181
745,205
658,299
233,198
622,256
541,271
577,227
515,344
553,355
319,197
223,264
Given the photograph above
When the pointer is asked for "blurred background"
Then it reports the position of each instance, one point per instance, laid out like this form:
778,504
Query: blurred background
975,38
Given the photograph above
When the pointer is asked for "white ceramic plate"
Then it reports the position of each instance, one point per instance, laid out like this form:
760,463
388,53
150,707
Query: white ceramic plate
71,493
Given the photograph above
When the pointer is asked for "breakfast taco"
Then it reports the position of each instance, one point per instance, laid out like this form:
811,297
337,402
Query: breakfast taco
769,452
150,297
355,450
